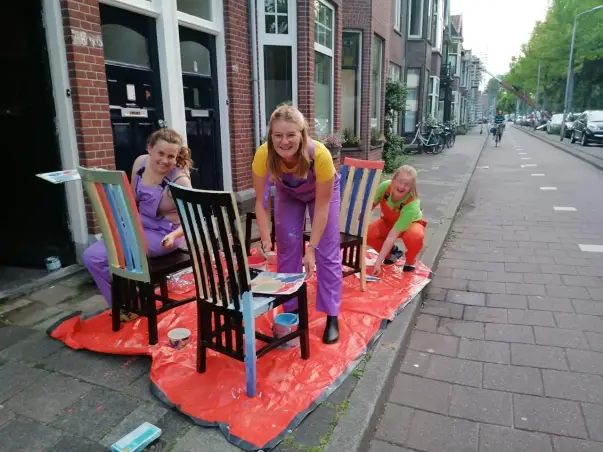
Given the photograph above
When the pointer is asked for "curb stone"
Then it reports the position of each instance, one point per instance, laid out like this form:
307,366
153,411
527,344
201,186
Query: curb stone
354,430
580,155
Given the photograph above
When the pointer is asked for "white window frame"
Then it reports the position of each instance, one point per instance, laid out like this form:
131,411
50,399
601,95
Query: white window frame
359,78
420,35
439,26
393,69
434,94
330,53
376,121
269,39
398,15
416,101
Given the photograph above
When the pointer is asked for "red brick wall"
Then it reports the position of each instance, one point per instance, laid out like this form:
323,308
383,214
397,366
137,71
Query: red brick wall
86,65
305,60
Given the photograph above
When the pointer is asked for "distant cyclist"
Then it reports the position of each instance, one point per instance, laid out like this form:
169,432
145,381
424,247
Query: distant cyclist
499,124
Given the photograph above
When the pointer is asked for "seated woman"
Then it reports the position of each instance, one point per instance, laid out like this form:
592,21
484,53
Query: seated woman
401,216
168,160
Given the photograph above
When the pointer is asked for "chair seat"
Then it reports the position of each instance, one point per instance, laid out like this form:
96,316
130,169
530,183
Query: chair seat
261,304
169,263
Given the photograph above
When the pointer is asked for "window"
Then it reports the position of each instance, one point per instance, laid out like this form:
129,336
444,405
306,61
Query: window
195,58
413,76
350,81
377,76
197,8
276,17
323,67
135,53
415,18
431,26
397,15
395,74
438,26
278,77
440,112
433,97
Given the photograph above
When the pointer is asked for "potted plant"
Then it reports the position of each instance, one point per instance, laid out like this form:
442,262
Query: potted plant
377,137
332,142
349,139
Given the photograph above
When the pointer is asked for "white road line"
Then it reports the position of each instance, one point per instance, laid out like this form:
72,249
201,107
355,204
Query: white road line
591,248
537,174
565,209
529,165
548,188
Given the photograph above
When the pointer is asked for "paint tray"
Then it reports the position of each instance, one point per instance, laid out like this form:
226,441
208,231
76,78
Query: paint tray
137,439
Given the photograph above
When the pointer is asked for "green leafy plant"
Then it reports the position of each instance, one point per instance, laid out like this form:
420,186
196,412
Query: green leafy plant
395,105
349,139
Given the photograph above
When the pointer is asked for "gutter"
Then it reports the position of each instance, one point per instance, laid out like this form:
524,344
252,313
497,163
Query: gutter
254,73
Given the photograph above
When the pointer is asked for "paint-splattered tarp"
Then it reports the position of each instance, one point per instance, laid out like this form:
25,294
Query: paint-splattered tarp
288,387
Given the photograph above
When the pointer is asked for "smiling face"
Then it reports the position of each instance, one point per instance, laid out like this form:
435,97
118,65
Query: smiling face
286,139
162,156
402,185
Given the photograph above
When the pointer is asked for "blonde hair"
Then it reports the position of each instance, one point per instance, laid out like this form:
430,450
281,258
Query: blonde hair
183,159
285,112
412,173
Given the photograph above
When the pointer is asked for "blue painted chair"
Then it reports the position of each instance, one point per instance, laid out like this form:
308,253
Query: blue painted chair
359,182
134,275
226,307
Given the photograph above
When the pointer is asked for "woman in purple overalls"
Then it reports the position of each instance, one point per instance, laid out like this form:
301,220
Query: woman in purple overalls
305,176
168,160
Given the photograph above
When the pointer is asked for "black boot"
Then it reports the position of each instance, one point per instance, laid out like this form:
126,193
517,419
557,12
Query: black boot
331,334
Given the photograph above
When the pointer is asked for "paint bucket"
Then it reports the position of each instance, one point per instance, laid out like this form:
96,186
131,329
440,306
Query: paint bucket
179,337
53,263
257,262
284,324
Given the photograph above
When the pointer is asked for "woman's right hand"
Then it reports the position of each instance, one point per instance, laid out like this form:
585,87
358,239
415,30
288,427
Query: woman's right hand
265,247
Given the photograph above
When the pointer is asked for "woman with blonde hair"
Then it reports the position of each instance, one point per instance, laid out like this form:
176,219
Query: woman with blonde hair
304,175
167,160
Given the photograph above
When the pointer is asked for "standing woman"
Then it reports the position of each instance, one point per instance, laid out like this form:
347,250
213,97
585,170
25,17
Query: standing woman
305,176
168,160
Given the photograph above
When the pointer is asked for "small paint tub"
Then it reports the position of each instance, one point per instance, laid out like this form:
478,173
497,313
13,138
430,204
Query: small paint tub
53,263
284,324
258,262
179,338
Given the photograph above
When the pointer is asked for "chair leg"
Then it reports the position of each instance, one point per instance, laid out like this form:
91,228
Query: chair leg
163,288
250,353
273,231
116,300
248,221
148,302
363,267
304,339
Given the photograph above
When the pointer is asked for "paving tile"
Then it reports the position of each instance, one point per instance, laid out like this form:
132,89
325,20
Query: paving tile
28,435
198,439
567,291
75,444
573,386
595,293
512,267
509,333
528,317
585,361
493,438
554,269
594,420
15,377
6,415
585,281
449,283
474,275
588,307
32,313
507,301
525,289
427,322
54,295
455,370
481,405
46,398
560,337
11,334
394,423
145,412
442,309
538,303
482,314
486,287
505,277
461,328
537,259
433,343
538,356
32,349
591,271
421,393
579,322
541,414
416,363
432,432
435,293
467,298
562,444
173,425
542,278
486,351
519,379
96,413
380,446
595,341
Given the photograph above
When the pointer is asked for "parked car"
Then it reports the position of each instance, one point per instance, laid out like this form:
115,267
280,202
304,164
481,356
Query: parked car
569,124
588,128
554,124
519,120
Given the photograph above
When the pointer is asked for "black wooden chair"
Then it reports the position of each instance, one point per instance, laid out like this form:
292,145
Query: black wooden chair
135,276
226,308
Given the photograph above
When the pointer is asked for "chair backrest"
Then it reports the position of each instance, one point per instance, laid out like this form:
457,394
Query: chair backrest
359,181
212,229
115,208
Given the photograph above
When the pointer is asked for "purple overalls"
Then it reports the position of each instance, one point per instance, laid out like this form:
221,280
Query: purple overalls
155,229
292,197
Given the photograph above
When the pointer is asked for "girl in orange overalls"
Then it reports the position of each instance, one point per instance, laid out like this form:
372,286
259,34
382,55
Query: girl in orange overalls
401,217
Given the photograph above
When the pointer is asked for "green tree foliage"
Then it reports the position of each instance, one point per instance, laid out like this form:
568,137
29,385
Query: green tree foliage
395,104
549,45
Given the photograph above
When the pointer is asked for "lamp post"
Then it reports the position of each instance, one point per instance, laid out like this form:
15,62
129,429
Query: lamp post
570,70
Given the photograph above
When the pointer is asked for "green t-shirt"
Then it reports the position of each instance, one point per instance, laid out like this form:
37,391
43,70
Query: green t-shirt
410,213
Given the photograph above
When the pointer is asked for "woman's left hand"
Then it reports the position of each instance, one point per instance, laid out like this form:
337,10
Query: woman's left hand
377,270
168,241
309,262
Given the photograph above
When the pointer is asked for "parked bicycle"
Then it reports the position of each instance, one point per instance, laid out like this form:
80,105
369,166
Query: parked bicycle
449,133
431,141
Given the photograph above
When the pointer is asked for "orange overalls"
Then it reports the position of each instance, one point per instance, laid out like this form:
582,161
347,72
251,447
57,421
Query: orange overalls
379,229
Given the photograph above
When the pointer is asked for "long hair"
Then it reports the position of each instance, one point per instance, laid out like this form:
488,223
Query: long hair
293,115
411,172
183,159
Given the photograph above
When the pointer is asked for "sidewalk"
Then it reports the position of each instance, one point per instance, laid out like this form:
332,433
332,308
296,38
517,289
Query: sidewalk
56,399
507,352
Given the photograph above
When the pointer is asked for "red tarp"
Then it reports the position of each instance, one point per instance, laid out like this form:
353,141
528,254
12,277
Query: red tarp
287,385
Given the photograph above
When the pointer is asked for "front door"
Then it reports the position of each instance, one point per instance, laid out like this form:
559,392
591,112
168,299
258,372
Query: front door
198,55
130,47
34,215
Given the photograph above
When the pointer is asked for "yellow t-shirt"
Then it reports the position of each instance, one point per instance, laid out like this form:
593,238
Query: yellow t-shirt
323,163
